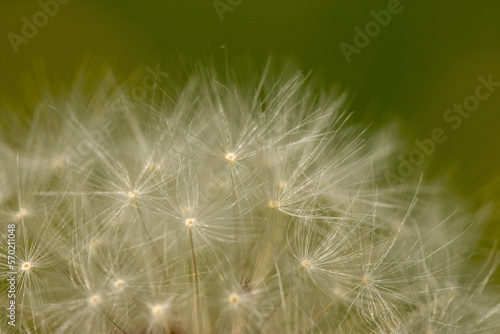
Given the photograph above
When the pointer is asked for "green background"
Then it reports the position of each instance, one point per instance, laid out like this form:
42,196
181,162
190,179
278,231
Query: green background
424,61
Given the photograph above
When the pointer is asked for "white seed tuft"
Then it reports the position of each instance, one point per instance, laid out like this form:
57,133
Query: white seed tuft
26,266
306,264
233,299
231,157
190,222
22,213
119,285
157,310
261,210
94,300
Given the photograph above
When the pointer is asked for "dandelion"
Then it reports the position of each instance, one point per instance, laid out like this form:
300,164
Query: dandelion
229,207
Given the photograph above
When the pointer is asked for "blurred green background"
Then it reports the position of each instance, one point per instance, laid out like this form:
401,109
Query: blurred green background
425,60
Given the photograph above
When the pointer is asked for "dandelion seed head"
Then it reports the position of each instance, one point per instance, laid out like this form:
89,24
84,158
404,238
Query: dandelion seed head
132,194
26,266
233,299
22,213
119,284
190,222
306,264
231,157
273,204
158,310
305,234
94,300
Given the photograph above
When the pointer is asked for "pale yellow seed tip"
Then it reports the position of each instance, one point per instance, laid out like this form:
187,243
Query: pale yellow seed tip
367,280
26,266
306,264
231,157
273,204
157,310
22,213
234,299
190,222
94,300
119,284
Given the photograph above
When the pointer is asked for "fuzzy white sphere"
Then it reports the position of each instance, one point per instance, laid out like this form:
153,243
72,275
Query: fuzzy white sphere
228,209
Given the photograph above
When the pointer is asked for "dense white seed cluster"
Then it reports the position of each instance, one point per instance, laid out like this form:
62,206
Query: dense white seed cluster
228,209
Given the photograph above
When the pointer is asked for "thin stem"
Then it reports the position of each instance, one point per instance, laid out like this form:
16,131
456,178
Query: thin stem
279,303
114,323
328,307
197,292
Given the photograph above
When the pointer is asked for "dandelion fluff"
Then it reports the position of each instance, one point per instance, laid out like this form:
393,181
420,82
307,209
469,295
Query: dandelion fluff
228,207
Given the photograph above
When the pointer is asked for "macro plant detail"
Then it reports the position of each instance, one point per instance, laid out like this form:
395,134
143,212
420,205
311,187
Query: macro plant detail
228,208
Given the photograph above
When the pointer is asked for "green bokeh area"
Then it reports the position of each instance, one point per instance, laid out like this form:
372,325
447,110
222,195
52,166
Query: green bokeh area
425,60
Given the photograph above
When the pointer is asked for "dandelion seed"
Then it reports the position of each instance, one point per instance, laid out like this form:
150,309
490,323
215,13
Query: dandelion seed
273,204
26,266
233,299
231,157
94,300
132,195
305,264
22,213
157,310
190,222
299,234
119,285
